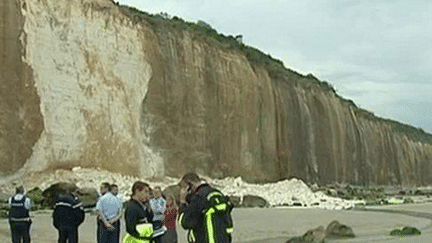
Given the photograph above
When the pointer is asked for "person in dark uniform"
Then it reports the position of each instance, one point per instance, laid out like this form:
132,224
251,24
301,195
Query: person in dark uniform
139,213
67,216
204,211
19,216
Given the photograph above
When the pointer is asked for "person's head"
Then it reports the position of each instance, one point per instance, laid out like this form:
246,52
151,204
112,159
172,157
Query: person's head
190,180
157,192
19,190
170,201
71,189
141,191
104,187
114,189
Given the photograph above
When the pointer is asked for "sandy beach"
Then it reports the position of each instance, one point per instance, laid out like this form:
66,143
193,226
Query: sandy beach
276,225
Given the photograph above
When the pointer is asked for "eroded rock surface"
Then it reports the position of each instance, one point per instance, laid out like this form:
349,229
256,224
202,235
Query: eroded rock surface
89,83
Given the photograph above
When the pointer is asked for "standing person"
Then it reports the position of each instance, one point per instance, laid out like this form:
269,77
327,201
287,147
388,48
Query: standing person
170,220
104,188
139,216
67,216
205,211
19,216
109,208
158,206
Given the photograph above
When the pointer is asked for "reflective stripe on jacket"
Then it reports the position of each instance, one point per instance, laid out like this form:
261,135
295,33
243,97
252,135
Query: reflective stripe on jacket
68,211
18,211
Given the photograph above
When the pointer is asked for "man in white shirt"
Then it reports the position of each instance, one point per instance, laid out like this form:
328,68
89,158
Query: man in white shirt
109,208
19,217
104,188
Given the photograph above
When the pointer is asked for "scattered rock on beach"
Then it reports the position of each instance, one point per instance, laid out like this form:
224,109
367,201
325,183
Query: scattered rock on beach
4,214
51,193
4,198
407,230
88,196
334,230
35,195
408,200
338,230
235,200
423,192
254,201
316,235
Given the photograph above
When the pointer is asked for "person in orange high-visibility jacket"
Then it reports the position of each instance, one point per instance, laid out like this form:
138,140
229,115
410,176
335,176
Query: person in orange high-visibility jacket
204,211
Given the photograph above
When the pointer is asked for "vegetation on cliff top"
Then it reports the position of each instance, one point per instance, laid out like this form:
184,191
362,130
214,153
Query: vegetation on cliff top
163,22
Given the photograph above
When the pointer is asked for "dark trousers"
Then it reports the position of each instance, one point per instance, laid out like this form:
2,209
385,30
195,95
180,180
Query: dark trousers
170,236
68,234
107,236
99,228
156,225
20,232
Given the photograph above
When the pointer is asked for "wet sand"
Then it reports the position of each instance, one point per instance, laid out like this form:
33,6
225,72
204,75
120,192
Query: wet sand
277,225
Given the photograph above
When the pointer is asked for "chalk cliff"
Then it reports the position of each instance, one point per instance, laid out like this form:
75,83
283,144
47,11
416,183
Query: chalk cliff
89,83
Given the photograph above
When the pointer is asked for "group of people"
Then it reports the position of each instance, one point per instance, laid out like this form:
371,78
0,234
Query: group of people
146,207
148,215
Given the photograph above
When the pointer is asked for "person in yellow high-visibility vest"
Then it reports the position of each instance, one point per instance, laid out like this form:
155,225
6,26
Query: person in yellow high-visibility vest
139,217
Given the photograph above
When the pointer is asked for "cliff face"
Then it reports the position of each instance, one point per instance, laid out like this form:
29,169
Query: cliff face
87,83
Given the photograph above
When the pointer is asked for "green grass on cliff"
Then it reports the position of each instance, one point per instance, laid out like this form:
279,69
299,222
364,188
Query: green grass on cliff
275,67
255,56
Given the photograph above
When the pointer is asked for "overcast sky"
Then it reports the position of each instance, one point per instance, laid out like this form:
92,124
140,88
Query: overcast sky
377,53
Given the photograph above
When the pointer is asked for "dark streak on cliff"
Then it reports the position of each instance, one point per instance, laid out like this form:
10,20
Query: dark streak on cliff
21,121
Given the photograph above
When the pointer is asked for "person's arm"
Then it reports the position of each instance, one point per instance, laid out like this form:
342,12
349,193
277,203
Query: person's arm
163,202
55,216
101,215
9,203
189,213
107,223
119,212
116,218
79,211
27,203
131,219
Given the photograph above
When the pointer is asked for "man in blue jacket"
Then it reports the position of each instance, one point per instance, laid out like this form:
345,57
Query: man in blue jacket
104,188
67,216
